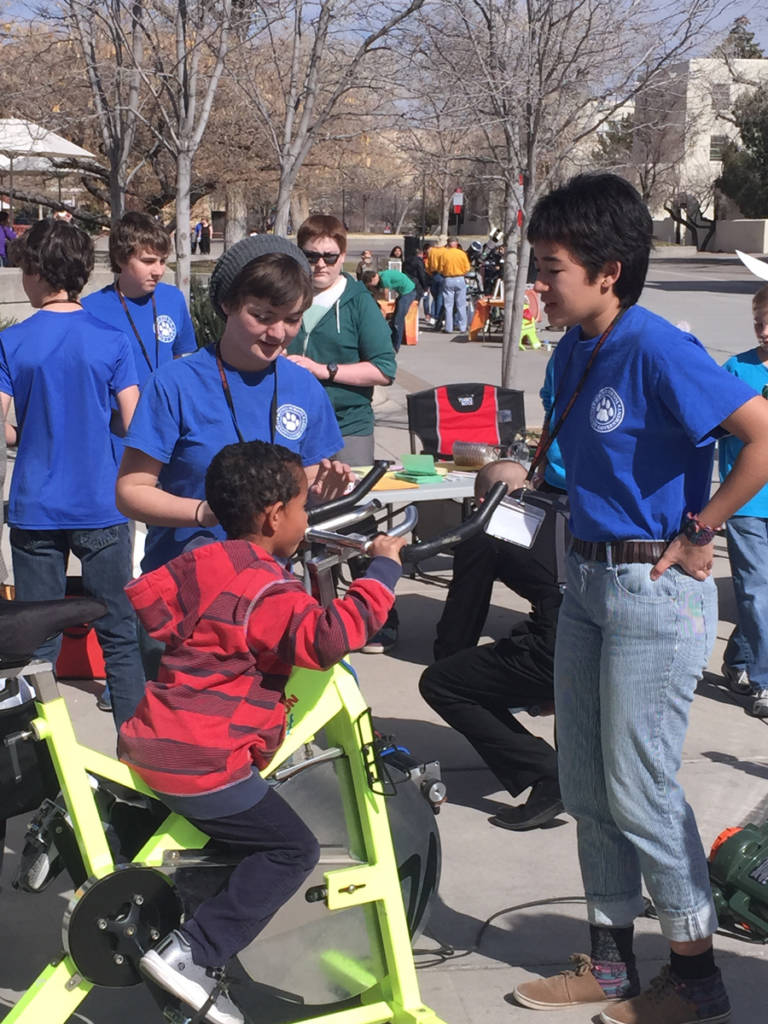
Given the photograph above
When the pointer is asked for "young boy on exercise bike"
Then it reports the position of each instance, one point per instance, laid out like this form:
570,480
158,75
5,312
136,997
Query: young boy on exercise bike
235,621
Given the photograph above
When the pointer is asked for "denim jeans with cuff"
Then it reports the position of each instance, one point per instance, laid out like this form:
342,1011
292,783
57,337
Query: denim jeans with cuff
629,652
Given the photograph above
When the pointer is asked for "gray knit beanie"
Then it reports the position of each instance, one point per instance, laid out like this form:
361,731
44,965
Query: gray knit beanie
235,259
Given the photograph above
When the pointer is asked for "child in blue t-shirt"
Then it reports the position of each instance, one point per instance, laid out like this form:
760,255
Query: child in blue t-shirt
745,666
154,315
65,370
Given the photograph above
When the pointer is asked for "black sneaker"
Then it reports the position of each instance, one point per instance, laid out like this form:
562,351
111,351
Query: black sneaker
543,804
171,966
382,641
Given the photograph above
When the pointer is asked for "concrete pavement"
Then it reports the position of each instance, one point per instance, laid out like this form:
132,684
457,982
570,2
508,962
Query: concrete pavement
509,904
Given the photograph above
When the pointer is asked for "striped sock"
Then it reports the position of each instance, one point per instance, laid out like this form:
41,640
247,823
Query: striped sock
618,980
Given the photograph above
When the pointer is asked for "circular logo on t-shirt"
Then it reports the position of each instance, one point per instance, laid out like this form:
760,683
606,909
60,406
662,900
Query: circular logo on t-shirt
166,329
606,411
291,421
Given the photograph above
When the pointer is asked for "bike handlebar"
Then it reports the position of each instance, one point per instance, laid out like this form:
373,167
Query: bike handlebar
471,526
330,509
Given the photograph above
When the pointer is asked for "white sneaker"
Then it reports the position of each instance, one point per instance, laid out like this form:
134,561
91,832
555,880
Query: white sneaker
736,679
171,966
760,704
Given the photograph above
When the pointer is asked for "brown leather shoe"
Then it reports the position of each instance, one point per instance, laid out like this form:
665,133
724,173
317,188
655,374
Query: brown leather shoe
570,988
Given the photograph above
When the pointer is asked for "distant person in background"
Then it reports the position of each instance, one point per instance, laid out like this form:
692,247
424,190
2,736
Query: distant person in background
415,269
437,278
396,253
205,236
454,264
365,263
404,288
7,234
194,237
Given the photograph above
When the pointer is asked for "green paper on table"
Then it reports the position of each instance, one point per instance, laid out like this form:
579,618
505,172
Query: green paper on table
419,469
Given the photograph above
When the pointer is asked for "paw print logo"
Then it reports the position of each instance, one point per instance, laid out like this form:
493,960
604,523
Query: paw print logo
291,422
606,411
166,329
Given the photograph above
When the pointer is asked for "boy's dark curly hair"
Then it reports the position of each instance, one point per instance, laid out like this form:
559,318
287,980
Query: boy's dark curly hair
244,479
60,252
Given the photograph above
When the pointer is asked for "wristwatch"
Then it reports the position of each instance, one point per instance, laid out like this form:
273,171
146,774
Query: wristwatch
333,369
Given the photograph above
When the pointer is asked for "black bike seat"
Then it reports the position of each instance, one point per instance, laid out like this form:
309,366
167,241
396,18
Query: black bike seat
24,625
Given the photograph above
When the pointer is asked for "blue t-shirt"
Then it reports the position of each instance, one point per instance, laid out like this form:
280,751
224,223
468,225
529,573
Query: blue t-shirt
638,442
175,333
747,367
183,420
554,471
64,371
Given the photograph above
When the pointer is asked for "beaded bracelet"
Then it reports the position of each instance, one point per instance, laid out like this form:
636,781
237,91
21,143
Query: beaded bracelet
696,532
197,511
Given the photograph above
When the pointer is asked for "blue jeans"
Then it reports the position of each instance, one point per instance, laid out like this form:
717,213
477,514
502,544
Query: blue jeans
748,551
628,655
455,299
436,288
40,574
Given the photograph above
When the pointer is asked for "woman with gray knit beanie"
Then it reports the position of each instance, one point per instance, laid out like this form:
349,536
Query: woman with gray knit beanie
238,389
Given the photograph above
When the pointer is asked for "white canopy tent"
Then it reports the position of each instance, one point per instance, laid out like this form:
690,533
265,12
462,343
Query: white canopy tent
28,148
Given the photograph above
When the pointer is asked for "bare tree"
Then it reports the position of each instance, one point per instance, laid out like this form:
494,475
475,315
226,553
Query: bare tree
314,56
545,75
110,35
190,45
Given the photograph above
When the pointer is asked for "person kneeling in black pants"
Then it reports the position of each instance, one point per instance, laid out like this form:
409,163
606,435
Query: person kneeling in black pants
473,688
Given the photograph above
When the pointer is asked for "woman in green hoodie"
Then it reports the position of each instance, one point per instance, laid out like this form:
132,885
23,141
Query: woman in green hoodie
344,341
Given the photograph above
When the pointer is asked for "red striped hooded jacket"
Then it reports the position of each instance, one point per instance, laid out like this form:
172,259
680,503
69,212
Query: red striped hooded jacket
234,623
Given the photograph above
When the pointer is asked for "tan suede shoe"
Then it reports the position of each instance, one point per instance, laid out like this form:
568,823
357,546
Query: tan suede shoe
570,988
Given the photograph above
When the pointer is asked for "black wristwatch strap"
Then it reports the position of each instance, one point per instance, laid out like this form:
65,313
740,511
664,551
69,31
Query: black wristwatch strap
333,369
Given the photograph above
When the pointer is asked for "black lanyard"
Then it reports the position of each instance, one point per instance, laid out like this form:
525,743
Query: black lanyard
228,396
547,438
136,331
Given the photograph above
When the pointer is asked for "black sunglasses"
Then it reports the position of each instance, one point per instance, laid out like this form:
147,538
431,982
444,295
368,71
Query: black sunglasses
329,258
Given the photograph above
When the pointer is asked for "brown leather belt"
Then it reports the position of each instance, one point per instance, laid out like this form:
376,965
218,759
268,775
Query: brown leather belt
621,551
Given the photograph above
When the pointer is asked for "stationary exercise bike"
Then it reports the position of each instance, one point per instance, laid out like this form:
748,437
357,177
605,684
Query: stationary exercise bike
339,951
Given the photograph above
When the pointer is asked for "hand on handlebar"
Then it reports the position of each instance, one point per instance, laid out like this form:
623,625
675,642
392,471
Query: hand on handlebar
386,547
331,480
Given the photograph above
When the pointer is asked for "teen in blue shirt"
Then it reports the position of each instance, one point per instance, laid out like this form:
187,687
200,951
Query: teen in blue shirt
745,665
65,369
639,615
153,315
238,389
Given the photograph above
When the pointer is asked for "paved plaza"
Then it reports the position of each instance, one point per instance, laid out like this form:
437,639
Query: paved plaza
508,905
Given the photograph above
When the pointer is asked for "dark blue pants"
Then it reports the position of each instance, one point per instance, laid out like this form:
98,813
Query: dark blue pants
278,852
40,574
436,287
397,323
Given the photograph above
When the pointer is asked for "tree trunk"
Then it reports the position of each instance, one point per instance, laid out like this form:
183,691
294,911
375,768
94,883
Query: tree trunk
445,213
283,209
299,208
183,216
236,225
116,193
514,313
